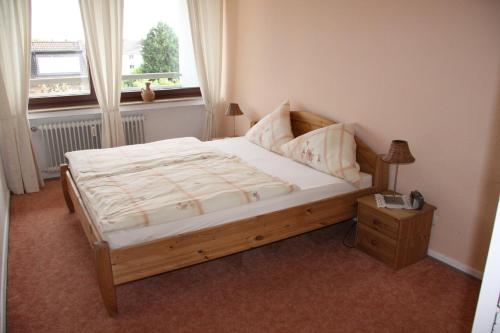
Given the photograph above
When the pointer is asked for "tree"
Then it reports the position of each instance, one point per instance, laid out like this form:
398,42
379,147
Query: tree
160,50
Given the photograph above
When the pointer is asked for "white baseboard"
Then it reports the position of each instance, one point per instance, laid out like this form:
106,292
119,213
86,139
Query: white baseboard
455,264
3,269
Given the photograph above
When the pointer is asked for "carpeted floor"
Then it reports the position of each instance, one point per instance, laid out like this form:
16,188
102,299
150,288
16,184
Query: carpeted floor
310,283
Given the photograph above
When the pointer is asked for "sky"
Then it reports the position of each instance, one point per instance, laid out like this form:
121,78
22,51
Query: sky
60,19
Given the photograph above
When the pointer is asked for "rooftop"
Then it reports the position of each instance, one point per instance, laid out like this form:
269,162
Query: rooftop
56,46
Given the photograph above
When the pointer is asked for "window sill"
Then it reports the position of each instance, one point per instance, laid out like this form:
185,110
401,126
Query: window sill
124,107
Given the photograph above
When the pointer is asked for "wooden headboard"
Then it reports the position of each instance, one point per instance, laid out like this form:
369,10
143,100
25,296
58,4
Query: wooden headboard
368,160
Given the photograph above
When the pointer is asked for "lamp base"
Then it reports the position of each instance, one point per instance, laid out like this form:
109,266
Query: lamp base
393,200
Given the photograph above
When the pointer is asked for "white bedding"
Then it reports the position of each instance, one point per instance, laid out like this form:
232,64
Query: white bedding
182,178
314,185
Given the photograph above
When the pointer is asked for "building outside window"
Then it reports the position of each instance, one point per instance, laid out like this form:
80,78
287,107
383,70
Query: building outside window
132,57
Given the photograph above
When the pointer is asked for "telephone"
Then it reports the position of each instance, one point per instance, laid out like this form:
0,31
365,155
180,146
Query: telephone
413,201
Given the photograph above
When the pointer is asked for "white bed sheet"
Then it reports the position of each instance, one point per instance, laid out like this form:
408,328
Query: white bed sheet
314,185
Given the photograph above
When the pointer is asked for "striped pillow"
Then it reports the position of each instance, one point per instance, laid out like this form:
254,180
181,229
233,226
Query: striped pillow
274,130
330,149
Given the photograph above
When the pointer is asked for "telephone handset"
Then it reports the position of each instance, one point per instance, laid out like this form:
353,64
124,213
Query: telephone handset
417,200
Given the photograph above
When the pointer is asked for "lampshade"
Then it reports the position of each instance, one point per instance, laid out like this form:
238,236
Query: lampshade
399,153
233,109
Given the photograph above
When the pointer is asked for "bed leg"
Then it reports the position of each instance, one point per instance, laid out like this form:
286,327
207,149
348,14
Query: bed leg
105,277
64,184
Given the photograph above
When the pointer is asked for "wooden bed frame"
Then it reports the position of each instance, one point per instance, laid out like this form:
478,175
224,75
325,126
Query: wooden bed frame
126,264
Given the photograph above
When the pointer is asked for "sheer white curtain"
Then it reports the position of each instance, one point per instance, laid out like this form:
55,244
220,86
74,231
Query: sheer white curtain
205,18
15,64
103,26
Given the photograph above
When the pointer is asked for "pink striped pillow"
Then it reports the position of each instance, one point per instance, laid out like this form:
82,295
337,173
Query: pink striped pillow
330,149
274,130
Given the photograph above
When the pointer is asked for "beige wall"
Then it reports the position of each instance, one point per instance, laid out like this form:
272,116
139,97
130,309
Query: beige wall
426,71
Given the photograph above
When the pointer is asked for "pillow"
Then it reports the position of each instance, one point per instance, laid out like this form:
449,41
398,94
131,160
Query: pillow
274,130
330,149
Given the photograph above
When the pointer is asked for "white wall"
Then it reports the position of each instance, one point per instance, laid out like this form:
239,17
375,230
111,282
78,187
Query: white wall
163,120
4,227
174,123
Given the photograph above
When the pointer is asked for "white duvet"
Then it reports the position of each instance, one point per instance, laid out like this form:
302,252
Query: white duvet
142,185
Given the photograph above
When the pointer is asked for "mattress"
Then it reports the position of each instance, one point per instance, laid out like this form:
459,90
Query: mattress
314,185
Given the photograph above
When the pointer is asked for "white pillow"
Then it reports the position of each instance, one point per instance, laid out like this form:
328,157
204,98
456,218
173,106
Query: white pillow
274,130
330,149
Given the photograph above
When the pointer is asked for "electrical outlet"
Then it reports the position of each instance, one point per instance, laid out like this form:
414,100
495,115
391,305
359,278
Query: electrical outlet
435,218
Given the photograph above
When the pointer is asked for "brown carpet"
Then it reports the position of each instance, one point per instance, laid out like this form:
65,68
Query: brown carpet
310,283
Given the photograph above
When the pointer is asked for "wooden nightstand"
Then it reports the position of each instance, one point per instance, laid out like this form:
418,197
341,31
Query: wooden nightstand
398,237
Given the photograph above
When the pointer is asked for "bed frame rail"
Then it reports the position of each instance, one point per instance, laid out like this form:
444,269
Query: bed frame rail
163,255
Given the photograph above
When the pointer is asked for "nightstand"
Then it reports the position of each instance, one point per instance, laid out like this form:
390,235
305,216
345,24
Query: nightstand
397,237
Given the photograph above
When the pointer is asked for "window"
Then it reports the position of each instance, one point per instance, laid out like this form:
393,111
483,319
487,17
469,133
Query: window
58,63
157,47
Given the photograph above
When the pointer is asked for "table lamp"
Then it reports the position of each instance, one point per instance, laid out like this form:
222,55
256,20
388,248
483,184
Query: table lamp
233,110
399,153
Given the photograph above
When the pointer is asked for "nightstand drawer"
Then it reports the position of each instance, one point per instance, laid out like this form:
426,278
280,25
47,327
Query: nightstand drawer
375,244
378,221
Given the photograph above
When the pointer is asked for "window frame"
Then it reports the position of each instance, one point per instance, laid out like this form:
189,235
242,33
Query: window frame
69,101
86,100
37,55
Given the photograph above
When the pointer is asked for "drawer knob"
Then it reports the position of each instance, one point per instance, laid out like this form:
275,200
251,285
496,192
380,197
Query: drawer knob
308,211
373,242
376,222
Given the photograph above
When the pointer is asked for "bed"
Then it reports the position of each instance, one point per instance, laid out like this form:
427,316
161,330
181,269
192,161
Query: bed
127,254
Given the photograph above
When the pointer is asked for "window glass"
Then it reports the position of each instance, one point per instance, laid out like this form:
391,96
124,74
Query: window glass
157,45
58,63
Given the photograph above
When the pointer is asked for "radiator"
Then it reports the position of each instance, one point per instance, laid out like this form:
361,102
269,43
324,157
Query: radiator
62,137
